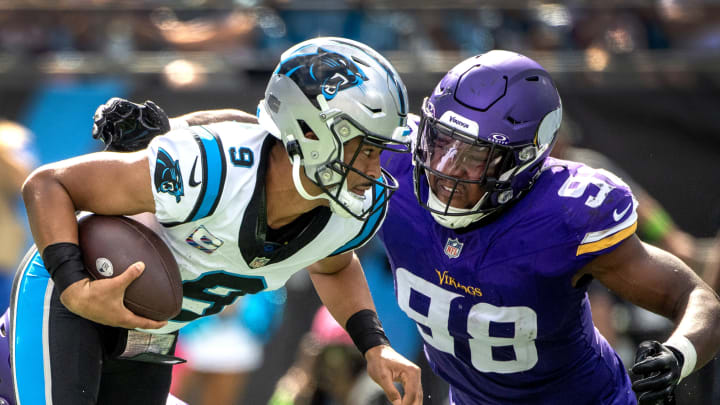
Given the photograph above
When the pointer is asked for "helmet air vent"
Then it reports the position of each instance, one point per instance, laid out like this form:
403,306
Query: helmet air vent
532,78
360,61
514,121
372,110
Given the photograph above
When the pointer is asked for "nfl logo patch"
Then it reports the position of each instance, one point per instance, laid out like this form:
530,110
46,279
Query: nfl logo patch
259,262
453,247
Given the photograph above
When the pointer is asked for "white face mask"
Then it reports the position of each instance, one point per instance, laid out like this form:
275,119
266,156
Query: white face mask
353,202
347,201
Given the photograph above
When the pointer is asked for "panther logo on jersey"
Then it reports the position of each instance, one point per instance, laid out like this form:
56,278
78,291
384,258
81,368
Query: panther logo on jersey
168,178
324,72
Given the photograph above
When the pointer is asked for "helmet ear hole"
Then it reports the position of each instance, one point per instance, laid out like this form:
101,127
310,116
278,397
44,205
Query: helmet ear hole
307,131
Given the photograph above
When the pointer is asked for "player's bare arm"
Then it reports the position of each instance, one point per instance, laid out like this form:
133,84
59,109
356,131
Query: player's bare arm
211,116
104,183
660,282
341,285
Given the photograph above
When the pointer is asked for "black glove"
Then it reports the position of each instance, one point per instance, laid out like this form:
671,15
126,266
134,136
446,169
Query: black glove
124,126
659,368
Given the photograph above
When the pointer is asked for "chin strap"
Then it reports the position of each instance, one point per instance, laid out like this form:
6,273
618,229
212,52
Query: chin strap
335,207
296,179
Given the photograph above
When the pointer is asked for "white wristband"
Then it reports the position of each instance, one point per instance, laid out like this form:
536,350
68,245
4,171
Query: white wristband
684,346
178,123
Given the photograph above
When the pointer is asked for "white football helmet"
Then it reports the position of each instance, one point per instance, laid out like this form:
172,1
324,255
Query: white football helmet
325,92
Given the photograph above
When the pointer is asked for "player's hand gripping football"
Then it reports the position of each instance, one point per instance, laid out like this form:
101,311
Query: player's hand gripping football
659,368
385,366
124,126
101,301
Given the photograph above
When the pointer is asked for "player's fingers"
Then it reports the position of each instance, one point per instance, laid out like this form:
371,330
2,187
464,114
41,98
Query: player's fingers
131,273
410,380
393,395
653,383
649,365
133,321
652,397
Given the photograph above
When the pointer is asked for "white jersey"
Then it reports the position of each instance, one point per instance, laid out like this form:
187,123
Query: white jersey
209,190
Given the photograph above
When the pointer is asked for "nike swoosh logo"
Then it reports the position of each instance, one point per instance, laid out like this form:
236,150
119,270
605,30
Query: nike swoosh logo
194,183
618,215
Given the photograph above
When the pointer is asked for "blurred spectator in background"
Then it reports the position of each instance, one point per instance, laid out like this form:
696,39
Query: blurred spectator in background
203,30
328,370
283,23
222,351
16,160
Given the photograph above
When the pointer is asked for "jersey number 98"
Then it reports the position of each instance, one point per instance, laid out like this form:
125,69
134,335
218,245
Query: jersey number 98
483,346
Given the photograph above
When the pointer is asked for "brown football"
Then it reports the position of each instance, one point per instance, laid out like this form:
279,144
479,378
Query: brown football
110,244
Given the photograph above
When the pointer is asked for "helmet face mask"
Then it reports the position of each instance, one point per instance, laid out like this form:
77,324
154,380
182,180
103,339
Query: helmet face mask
324,93
332,179
483,136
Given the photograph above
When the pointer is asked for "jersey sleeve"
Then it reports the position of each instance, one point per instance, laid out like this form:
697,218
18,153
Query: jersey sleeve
188,172
606,213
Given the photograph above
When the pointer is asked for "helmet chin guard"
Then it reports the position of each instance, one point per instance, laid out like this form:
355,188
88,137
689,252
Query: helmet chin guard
459,218
324,93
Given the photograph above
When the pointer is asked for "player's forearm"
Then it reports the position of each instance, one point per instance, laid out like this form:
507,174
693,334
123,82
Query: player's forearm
345,292
212,116
690,303
700,323
50,209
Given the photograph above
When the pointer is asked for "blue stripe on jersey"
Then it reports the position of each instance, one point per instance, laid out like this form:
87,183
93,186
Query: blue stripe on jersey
371,223
213,161
28,323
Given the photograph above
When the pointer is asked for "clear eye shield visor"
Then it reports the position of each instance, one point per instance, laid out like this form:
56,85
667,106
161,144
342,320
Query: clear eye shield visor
450,153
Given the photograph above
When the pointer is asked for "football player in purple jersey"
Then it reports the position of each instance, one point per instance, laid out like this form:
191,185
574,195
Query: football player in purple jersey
493,245
509,241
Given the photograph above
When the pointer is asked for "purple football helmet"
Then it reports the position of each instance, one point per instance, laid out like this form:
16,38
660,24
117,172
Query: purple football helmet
483,136
7,389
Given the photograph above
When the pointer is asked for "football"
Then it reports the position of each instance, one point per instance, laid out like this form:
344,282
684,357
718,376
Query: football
112,243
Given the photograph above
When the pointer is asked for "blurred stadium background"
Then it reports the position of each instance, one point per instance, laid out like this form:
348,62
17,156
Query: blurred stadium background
640,81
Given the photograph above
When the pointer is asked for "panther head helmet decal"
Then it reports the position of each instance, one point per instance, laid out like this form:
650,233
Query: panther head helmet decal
324,72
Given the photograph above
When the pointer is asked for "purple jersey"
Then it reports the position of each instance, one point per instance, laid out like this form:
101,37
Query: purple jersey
501,320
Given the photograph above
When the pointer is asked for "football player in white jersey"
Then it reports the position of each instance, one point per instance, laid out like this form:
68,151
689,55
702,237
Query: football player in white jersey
242,206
